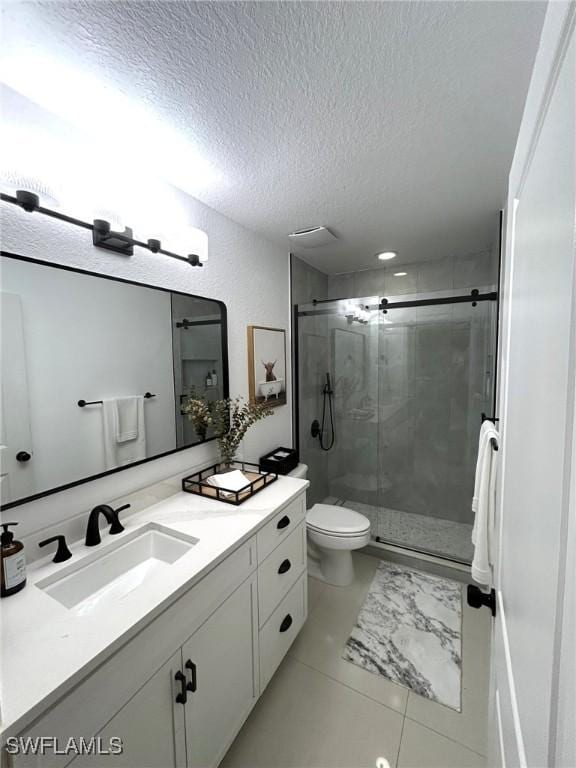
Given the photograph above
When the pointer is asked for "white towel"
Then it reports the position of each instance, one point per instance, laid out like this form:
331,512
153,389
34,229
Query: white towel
484,503
230,481
119,452
127,418
484,429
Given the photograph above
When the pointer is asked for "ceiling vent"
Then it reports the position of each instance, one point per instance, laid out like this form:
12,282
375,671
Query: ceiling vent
312,238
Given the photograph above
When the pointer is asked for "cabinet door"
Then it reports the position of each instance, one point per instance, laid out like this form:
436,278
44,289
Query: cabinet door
223,652
150,725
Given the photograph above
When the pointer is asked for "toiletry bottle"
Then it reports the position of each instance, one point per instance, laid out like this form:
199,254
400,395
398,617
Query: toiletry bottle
13,570
214,378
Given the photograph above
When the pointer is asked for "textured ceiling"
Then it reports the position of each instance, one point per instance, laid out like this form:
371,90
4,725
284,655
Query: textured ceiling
392,123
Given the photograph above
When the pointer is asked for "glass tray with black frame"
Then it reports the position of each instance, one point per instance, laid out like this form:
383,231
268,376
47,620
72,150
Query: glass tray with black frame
257,481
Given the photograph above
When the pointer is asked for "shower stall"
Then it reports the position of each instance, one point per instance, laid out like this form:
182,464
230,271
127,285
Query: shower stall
392,432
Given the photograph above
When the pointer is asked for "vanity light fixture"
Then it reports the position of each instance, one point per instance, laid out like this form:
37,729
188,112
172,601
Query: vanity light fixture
102,234
386,255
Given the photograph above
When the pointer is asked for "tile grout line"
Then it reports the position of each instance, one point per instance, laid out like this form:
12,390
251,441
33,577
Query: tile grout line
348,687
401,737
439,733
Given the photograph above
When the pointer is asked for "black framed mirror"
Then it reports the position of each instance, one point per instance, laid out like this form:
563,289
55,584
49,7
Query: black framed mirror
96,372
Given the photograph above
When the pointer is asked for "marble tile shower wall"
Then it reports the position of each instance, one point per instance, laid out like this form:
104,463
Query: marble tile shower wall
453,272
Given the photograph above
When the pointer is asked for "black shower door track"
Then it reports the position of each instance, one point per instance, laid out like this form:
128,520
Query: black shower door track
471,298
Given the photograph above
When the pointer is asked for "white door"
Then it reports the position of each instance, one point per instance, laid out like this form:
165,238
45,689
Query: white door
532,697
220,660
16,470
150,727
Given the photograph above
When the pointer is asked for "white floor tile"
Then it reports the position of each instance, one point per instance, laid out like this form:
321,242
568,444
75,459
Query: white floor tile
423,748
306,720
321,642
315,590
470,725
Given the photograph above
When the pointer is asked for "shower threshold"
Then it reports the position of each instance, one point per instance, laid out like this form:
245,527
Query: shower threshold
422,534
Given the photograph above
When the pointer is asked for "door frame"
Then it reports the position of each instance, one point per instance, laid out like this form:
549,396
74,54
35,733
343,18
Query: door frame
557,35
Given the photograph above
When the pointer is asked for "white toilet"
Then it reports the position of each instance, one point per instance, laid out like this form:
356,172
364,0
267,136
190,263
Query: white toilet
333,532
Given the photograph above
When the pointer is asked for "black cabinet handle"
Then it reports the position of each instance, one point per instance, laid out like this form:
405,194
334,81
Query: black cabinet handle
23,456
286,623
283,522
285,566
192,685
181,698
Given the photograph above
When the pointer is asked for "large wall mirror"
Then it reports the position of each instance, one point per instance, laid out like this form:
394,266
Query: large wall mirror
95,372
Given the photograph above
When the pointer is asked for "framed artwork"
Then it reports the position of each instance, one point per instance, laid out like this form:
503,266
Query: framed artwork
267,365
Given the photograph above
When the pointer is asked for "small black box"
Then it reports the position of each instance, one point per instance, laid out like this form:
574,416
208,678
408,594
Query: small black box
280,460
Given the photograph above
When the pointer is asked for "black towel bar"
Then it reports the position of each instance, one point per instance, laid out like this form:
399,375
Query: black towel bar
83,403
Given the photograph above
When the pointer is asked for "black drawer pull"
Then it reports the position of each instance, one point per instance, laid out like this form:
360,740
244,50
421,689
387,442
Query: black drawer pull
286,623
192,685
181,698
285,521
285,566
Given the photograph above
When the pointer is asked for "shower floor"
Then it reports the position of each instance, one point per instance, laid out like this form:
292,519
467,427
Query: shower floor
430,534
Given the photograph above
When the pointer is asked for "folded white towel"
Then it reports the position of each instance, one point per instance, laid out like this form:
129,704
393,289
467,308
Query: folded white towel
119,453
484,503
229,481
127,418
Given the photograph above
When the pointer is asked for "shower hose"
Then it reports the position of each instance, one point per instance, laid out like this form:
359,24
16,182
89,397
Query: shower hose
327,395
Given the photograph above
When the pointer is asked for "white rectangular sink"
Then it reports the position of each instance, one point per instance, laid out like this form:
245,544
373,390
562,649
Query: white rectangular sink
115,570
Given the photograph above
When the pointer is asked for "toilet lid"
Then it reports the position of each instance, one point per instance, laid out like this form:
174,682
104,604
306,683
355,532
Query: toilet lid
339,521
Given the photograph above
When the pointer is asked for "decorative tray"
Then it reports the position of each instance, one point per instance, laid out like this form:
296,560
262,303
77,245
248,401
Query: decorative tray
257,481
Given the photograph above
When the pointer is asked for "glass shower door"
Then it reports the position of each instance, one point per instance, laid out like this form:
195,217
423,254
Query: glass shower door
340,338
435,376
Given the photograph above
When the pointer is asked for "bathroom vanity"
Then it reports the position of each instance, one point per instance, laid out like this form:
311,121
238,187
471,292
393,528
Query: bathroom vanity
170,665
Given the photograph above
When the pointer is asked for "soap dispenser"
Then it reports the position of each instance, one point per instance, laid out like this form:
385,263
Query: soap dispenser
13,570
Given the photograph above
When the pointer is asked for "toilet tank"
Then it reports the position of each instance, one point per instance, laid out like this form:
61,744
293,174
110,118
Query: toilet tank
300,471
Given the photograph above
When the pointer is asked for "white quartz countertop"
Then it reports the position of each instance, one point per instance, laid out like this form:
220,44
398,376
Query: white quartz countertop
47,648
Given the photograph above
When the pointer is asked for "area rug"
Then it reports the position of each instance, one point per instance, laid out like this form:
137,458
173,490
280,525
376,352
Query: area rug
409,630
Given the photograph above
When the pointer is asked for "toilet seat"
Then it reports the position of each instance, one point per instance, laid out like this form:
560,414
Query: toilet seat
337,522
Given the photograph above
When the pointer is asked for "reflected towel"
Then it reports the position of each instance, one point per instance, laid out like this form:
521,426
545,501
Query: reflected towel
118,454
484,503
127,418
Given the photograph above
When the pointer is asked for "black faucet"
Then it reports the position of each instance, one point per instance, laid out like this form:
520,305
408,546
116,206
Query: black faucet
62,553
93,528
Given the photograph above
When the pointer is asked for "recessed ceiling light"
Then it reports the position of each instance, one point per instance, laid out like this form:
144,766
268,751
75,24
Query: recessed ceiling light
385,255
400,274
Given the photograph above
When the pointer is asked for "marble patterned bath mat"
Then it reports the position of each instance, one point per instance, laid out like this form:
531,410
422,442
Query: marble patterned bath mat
409,630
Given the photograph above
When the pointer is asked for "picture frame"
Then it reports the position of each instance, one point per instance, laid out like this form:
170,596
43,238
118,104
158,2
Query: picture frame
267,372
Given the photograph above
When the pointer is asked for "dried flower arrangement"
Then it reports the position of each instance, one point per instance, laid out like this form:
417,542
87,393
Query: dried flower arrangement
231,419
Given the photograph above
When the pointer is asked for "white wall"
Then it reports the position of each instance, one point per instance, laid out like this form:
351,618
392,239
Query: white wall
247,272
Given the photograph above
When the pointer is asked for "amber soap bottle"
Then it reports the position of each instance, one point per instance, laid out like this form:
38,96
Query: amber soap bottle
13,570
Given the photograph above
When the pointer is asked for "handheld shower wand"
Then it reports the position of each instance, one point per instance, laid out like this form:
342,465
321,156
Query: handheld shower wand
317,430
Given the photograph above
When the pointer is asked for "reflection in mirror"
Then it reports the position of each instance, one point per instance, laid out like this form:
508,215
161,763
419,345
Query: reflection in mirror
96,372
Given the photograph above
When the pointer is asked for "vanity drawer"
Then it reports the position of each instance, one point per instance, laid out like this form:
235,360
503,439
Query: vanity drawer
279,632
279,571
281,525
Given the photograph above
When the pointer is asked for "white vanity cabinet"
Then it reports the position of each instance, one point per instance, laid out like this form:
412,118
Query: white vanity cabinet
191,709
178,692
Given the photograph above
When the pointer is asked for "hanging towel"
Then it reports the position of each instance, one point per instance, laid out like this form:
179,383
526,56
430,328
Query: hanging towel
118,453
127,418
484,429
483,504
